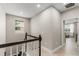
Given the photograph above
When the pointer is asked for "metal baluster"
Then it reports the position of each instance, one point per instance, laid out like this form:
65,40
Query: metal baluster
33,48
25,44
17,50
36,48
10,51
23,49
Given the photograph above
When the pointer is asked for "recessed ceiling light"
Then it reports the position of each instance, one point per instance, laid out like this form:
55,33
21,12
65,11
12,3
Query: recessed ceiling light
38,5
64,3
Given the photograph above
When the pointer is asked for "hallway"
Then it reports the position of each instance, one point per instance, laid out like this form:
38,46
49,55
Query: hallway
70,49
48,23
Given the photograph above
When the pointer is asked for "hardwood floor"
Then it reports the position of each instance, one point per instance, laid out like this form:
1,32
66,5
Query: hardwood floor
70,49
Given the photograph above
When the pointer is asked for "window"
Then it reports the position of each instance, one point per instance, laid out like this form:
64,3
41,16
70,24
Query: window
19,26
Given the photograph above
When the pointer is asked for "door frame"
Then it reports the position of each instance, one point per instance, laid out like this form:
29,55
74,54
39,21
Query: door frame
63,36
63,33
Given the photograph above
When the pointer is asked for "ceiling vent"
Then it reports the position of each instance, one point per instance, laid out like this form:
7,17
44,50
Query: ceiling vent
69,5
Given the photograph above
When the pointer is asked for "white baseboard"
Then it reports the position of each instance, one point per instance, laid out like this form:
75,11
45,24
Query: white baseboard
56,49
52,51
46,49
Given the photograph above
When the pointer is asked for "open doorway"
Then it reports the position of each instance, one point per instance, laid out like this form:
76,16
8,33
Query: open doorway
70,32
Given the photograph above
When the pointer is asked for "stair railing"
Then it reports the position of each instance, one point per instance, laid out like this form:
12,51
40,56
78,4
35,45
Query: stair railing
24,43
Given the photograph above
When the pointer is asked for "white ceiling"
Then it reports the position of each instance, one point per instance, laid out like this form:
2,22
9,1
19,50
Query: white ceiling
29,9
61,6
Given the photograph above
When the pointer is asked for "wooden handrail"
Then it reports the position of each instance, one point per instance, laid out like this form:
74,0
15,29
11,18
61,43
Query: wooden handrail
25,41
16,43
30,35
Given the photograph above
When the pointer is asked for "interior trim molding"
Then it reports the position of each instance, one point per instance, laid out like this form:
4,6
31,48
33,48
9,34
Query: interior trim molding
56,49
46,49
52,51
44,10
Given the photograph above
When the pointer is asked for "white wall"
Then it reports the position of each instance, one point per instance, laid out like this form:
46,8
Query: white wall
48,25
2,29
12,35
70,14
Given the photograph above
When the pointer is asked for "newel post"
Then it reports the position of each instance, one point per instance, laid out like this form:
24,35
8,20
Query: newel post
25,43
26,36
40,38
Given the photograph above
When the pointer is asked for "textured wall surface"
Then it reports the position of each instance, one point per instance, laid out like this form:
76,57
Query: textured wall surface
2,29
12,35
47,24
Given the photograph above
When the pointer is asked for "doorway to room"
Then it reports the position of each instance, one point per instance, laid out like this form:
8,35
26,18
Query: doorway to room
71,36
70,30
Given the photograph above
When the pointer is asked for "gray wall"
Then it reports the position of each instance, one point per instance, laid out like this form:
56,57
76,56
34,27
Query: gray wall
13,36
70,14
47,24
2,29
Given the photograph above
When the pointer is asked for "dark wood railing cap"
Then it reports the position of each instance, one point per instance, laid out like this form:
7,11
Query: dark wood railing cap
17,43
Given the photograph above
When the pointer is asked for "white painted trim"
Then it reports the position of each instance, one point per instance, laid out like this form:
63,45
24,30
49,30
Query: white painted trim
52,51
56,49
46,49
